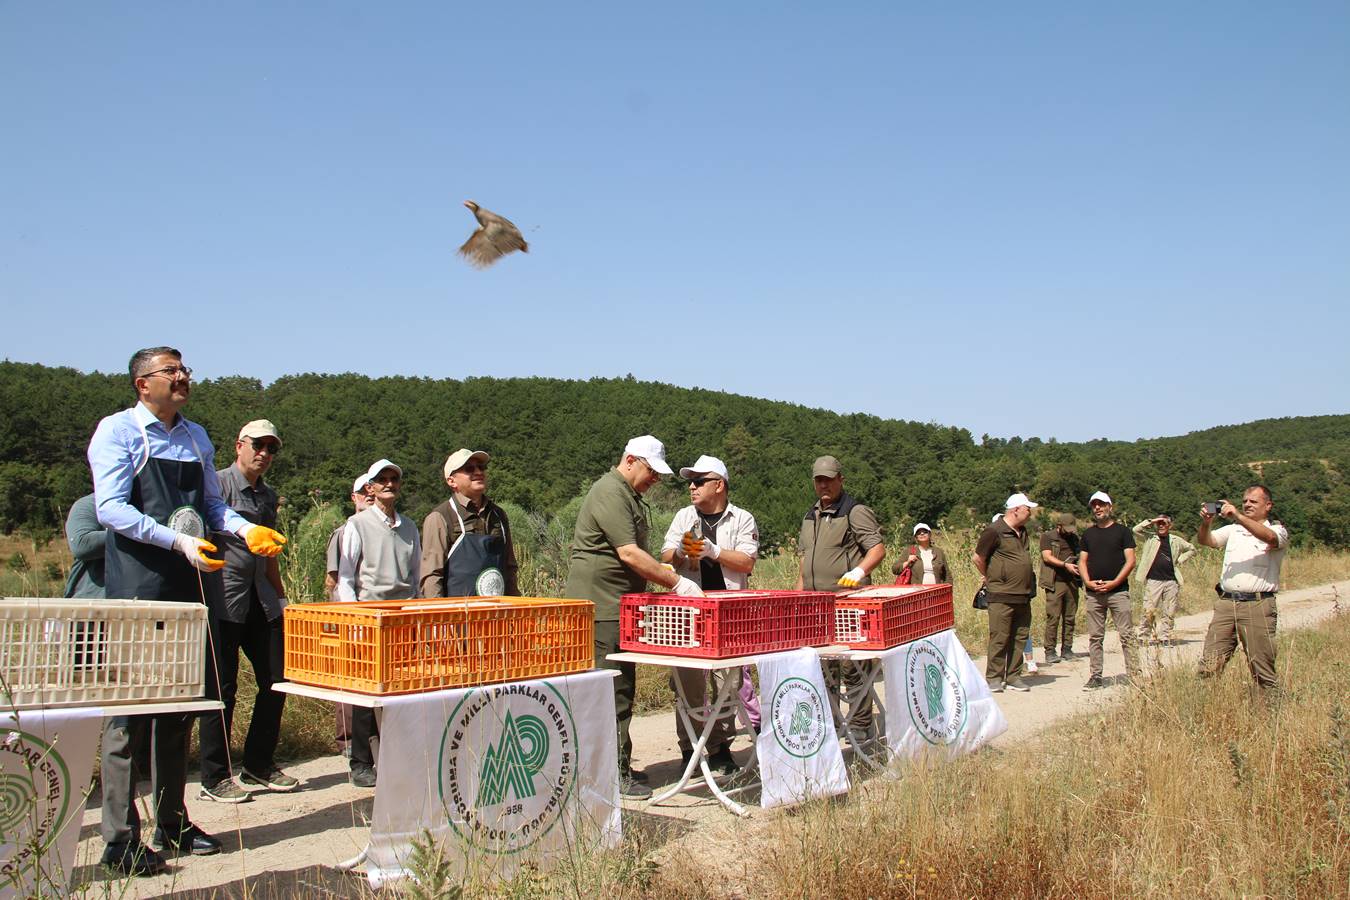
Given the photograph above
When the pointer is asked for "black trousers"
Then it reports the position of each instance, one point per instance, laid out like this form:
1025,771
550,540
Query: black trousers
363,729
263,642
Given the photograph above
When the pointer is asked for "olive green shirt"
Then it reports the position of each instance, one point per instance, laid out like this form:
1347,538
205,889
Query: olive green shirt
1007,562
832,544
611,516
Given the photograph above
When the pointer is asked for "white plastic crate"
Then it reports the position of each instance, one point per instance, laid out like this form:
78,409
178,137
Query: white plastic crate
74,652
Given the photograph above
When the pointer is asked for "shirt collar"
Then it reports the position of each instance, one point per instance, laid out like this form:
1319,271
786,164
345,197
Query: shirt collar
468,505
146,418
624,481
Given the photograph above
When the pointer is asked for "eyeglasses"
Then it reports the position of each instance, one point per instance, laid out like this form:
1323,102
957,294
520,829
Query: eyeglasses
700,482
170,372
473,467
260,446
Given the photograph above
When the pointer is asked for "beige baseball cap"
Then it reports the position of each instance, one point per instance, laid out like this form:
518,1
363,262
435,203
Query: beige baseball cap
461,457
260,428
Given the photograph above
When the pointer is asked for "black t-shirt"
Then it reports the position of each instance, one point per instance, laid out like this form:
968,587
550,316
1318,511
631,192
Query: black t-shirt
1105,548
1162,568
709,571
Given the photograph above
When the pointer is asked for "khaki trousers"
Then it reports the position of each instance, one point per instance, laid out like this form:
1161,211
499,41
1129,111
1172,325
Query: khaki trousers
1061,610
1122,615
1253,623
701,689
1159,596
1009,625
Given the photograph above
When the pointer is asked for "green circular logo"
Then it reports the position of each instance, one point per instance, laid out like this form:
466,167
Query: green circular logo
797,713
35,799
934,696
508,765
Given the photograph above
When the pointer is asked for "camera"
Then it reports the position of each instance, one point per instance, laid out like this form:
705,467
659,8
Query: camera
1213,508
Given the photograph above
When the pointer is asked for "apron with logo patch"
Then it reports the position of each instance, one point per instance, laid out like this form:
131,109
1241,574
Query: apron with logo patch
473,567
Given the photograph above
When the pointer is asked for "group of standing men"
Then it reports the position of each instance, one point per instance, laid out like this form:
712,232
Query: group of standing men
1102,561
158,500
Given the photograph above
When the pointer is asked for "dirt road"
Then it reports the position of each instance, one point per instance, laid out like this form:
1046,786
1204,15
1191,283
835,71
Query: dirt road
294,841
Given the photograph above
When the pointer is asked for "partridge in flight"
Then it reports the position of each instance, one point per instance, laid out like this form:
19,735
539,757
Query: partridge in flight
496,236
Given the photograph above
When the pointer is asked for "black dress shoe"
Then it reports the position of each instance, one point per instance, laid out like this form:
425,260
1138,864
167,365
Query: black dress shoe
133,858
190,840
721,762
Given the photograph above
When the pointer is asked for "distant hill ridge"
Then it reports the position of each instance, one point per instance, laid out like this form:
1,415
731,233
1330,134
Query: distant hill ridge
551,437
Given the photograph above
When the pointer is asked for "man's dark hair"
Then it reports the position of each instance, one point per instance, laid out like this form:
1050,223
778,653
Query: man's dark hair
1270,498
140,360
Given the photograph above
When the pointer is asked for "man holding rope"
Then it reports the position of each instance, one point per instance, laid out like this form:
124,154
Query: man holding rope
156,491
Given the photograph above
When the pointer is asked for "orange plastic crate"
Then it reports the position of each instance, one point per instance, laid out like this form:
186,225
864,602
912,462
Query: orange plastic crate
876,618
406,646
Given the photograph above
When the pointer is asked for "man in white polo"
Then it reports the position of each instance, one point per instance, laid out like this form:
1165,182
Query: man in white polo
715,543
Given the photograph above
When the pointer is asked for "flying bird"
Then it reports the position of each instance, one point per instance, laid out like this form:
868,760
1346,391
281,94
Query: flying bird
496,236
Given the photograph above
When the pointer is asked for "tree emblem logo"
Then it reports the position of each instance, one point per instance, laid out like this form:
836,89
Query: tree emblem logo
503,799
510,766
35,801
797,715
934,696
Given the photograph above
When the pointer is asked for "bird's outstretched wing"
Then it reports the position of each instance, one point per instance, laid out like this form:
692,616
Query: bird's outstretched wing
496,236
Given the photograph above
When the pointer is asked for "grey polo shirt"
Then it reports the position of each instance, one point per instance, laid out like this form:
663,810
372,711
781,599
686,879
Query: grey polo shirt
244,574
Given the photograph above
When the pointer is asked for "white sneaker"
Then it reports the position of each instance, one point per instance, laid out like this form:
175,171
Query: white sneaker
1031,664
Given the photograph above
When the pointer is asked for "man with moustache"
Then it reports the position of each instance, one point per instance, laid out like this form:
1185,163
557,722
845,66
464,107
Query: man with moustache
466,541
1003,559
157,493
1106,558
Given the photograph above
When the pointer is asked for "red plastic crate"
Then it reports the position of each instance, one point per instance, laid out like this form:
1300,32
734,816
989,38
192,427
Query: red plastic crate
876,618
726,623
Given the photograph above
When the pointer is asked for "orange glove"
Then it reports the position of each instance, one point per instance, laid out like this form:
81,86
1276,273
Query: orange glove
194,550
263,541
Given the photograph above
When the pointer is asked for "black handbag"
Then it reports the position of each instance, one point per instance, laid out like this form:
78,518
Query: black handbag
981,600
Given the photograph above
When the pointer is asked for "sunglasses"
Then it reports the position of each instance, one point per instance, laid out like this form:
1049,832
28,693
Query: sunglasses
260,446
700,482
473,467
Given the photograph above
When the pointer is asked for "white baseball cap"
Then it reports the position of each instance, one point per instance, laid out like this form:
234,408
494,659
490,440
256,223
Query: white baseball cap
922,526
1017,500
360,483
650,449
1102,496
706,465
379,466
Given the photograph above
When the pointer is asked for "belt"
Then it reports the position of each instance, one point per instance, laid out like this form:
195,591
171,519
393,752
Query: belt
1244,596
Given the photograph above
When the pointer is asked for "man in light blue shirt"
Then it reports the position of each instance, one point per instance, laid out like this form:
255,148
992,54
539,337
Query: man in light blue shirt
156,491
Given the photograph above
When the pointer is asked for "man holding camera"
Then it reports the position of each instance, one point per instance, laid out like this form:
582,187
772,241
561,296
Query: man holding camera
1253,551
1159,571
1059,577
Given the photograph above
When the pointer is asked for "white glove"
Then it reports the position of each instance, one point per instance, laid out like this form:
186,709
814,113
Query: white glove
853,577
686,588
194,550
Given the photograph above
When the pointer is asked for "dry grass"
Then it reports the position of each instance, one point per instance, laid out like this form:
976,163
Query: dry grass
1185,788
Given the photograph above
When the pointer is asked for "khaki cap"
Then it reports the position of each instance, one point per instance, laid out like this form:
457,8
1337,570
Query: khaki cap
460,458
826,466
260,428
1067,520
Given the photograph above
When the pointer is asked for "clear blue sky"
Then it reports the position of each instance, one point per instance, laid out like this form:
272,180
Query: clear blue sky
1133,219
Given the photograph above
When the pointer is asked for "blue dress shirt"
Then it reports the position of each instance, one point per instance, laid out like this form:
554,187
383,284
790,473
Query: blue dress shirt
117,452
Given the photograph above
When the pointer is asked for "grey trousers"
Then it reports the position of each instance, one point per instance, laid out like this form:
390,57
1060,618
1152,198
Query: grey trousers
1122,613
122,739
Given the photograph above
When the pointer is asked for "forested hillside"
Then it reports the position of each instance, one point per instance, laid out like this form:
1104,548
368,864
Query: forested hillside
550,438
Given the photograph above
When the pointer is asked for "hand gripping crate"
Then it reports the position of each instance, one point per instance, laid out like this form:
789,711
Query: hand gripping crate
61,652
725,623
876,618
407,646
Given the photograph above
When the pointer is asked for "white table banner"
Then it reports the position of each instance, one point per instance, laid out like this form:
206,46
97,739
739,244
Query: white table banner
799,755
497,775
936,700
46,761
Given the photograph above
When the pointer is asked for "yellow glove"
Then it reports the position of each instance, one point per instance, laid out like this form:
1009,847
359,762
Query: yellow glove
194,550
263,541
852,577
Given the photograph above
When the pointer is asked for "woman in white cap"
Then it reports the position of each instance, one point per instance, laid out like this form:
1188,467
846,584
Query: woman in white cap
927,564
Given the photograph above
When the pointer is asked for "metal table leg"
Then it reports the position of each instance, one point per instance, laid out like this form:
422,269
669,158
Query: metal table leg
865,689
728,698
